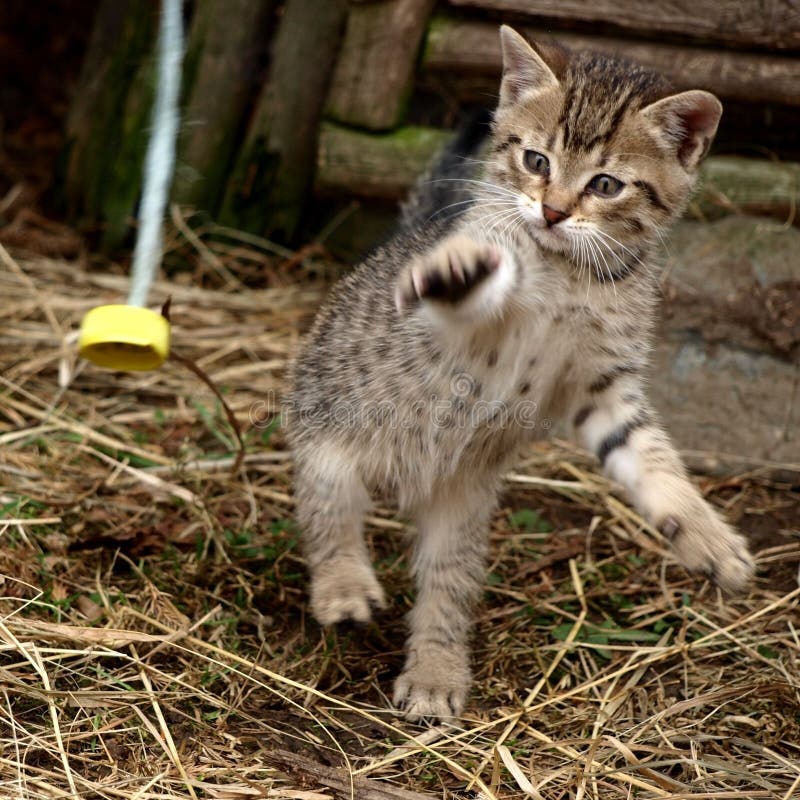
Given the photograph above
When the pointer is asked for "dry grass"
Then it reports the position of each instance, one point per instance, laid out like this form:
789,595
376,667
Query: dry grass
154,637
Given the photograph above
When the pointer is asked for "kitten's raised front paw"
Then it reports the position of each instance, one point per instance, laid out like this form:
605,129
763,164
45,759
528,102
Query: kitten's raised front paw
345,589
447,273
434,684
703,543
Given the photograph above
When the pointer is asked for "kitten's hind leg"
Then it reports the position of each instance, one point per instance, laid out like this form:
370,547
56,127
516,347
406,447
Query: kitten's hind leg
448,565
331,504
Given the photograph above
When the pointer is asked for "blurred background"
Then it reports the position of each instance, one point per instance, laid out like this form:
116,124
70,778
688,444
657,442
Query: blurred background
294,110
304,123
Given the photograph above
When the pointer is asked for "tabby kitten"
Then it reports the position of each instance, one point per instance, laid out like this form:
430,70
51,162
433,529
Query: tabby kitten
529,300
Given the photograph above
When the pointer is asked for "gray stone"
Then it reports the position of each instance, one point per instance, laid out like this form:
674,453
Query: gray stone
727,361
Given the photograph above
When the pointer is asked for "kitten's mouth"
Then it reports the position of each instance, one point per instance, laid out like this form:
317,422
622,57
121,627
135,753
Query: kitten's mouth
551,238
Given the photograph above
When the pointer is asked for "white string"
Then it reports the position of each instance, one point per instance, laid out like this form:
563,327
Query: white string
160,159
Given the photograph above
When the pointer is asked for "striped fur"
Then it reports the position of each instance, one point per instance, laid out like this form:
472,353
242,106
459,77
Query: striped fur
479,326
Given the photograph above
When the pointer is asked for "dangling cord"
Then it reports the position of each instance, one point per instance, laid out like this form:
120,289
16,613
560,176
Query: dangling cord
158,169
203,375
160,159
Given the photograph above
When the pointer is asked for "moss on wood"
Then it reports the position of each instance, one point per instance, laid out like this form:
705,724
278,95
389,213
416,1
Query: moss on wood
374,164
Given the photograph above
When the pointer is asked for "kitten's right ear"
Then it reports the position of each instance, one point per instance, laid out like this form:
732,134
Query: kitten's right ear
523,68
689,120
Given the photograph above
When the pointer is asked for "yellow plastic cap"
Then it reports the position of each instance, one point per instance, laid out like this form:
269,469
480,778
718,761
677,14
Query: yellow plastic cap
124,338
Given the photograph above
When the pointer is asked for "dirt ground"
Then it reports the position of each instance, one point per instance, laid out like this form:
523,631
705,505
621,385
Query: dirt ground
155,639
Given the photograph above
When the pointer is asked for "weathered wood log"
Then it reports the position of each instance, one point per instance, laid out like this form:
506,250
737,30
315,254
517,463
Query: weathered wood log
756,186
386,166
275,166
313,775
473,49
374,73
106,130
374,164
773,24
226,44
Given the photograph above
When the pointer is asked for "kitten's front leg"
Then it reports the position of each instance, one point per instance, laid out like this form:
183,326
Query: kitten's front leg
460,276
616,423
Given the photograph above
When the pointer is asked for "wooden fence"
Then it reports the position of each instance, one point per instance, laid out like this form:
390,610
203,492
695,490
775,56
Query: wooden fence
283,102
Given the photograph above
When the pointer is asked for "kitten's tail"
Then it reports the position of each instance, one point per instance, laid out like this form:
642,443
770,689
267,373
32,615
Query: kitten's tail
444,192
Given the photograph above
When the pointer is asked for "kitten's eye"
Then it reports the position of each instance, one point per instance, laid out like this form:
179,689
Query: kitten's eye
537,163
605,186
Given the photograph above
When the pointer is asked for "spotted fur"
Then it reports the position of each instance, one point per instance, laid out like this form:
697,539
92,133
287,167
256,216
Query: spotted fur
507,303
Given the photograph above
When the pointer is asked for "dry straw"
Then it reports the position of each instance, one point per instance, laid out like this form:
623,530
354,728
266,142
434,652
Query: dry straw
154,637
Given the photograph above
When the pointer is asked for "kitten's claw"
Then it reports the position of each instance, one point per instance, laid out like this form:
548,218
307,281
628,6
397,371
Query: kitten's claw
448,273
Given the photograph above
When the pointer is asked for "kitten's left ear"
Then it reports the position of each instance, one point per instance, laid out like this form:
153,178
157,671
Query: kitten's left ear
690,120
523,68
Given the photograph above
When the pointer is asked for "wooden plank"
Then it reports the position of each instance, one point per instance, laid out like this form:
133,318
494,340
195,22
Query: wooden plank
226,45
773,24
107,124
473,48
386,165
274,168
374,164
374,75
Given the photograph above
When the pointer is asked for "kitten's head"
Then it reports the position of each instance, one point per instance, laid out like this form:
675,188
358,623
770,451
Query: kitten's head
596,149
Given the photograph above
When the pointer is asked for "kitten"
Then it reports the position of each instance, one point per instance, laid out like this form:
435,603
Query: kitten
529,299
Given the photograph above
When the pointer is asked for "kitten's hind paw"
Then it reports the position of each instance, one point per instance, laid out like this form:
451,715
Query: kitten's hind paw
345,590
448,273
433,686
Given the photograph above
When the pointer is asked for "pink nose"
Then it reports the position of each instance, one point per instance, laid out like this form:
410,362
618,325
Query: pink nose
553,216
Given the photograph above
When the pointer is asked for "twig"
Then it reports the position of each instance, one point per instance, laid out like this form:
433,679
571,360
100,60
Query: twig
234,423
311,774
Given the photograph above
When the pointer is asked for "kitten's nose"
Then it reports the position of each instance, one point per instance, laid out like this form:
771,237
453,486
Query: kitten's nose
552,216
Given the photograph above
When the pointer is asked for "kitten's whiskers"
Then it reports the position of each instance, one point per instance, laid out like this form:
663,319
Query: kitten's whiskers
600,248
621,246
491,220
486,185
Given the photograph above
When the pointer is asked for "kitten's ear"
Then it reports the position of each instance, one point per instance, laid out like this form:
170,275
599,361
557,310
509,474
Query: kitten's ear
523,67
689,120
